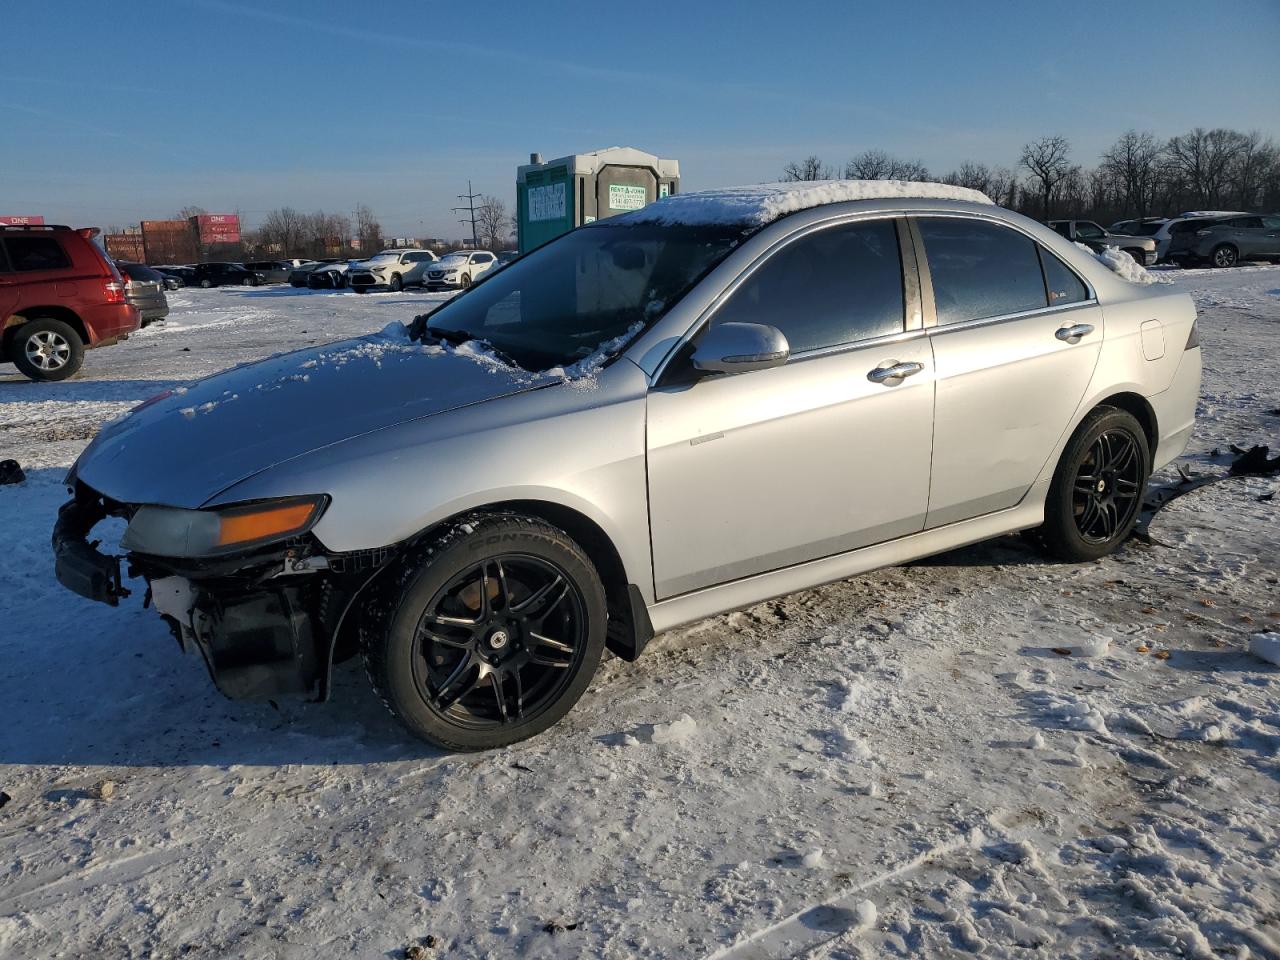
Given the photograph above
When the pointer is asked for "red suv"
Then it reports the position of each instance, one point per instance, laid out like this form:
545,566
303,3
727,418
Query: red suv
59,295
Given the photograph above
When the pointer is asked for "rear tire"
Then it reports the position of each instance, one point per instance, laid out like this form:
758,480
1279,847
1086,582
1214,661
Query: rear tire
487,635
206,284
1098,487
46,349
1224,255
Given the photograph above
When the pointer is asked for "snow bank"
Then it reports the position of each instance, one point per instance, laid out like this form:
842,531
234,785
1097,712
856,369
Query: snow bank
1119,262
1266,646
762,203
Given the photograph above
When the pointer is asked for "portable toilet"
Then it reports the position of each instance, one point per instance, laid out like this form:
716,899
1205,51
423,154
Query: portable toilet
554,196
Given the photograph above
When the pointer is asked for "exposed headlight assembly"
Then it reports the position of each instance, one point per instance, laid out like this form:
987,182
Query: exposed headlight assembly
174,532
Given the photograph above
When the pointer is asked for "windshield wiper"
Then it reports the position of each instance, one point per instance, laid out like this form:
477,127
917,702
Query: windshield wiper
455,337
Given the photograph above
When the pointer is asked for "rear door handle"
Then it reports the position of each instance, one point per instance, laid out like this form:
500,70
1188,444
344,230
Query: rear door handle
890,373
1073,333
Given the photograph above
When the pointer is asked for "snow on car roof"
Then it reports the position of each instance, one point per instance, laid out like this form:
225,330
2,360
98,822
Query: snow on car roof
764,202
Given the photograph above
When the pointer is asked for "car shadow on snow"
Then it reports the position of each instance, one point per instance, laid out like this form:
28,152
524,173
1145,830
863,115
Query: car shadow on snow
84,683
22,390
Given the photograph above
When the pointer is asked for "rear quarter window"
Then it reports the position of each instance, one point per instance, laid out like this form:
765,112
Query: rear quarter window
980,269
1061,282
36,253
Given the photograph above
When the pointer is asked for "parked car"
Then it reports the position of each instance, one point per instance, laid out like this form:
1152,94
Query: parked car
224,274
1226,241
393,269
506,256
330,276
273,271
1142,249
298,275
172,281
459,269
185,273
144,288
663,415
59,296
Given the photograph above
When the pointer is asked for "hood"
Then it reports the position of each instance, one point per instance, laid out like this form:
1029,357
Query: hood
184,447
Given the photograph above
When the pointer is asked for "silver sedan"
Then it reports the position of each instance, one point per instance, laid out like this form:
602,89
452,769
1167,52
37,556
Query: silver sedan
655,418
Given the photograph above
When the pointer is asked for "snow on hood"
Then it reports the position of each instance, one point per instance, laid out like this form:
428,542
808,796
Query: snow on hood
185,447
762,203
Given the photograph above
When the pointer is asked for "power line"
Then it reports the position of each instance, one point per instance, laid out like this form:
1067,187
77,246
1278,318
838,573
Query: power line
470,197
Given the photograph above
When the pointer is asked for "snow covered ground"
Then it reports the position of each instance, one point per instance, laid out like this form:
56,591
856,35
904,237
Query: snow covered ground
896,765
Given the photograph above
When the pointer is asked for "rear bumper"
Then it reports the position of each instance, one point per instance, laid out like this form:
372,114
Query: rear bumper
109,322
1149,258
1175,410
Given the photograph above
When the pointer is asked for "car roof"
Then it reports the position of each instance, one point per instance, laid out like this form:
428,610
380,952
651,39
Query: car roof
759,204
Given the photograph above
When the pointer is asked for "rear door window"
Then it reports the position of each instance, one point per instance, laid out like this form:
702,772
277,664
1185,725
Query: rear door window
980,269
831,287
1061,282
1089,231
36,253
1245,223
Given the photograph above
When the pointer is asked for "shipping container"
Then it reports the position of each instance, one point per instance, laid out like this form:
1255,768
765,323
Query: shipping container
216,228
15,220
169,241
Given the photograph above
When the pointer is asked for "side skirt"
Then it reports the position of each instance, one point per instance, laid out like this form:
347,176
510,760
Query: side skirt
737,594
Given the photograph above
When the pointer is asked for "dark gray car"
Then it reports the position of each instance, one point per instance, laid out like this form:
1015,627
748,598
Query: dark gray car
1142,249
144,288
1226,241
273,271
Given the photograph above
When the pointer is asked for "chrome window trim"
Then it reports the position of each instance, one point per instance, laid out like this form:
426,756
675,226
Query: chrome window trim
766,254
943,329
922,257
838,348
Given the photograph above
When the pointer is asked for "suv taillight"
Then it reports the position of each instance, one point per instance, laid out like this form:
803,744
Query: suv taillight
114,291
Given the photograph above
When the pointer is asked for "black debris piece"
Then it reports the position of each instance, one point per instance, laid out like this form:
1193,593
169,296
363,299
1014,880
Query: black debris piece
11,472
4,798
1254,462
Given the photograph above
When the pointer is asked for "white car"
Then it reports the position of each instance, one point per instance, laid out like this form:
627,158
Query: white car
393,269
459,269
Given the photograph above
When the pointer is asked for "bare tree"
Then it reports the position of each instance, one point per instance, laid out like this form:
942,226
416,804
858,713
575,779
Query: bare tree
283,231
1252,165
1135,167
186,213
492,222
810,168
998,183
879,165
368,230
1202,161
1048,162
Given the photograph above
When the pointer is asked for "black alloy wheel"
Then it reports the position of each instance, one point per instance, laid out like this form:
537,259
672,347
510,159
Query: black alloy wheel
488,634
1097,489
500,641
1108,487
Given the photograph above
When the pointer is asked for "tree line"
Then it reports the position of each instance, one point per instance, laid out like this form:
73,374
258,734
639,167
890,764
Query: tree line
1140,175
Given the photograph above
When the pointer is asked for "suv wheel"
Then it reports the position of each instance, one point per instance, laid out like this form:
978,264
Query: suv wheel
489,635
47,349
466,280
1097,490
396,284
206,283
1224,255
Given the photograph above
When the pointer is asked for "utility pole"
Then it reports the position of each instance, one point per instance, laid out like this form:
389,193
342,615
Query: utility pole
470,197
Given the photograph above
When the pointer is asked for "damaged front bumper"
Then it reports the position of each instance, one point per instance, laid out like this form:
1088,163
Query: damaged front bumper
266,623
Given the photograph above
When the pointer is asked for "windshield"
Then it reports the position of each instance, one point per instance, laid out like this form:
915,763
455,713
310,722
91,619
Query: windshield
453,256
559,303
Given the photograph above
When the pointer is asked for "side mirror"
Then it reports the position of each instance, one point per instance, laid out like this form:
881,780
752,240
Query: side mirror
740,347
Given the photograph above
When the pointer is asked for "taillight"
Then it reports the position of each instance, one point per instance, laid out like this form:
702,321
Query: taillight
114,291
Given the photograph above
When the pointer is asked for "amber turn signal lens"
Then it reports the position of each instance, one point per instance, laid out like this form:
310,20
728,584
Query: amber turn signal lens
271,521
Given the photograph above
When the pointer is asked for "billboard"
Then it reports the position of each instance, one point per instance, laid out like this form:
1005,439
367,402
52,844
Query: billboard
15,220
125,246
217,228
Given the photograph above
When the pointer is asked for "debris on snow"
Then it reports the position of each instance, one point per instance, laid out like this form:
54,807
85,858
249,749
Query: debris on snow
866,913
1266,646
102,790
677,731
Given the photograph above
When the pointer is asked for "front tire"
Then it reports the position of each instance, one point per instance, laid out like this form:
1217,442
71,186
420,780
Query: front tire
1224,255
1097,490
487,635
466,280
396,283
206,284
47,349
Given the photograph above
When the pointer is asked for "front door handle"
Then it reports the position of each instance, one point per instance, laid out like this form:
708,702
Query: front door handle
891,373
1073,333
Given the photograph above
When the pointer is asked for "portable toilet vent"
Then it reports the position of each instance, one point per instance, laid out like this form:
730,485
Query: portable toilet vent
554,196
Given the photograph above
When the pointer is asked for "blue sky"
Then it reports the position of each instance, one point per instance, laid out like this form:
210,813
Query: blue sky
114,112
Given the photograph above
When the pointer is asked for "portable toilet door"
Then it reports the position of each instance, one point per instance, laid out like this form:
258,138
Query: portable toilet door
546,207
